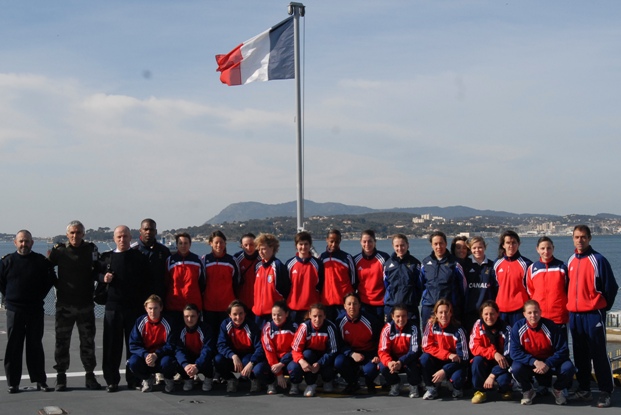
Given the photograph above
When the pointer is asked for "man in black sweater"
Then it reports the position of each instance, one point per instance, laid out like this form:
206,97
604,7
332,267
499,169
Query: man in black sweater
126,271
25,279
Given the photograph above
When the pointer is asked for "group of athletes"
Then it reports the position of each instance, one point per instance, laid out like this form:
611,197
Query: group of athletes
490,323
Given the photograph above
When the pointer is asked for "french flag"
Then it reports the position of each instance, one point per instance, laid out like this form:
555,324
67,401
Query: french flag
267,56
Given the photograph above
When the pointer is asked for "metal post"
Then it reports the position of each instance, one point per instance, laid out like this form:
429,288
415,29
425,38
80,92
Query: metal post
297,10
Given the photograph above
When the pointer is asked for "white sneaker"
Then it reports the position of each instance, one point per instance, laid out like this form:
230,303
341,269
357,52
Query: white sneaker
328,387
188,385
159,378
310,391
271,389
255,386
295,389
431,394
231,385
527,397
169,385
559,397
414,391
207,384
395,390
147,385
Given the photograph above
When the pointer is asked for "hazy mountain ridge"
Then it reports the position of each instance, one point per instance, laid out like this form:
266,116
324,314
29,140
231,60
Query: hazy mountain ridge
243,211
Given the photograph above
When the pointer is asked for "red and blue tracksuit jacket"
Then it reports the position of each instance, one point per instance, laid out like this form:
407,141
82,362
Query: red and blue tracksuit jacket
510,274
194,345
440,341
399,343
481,345
592,285
271,284
359,335
370,277
246,264
306,275
546,282
222,278
543,342
185,281
324,340
242,340
339,276
149,336
277,341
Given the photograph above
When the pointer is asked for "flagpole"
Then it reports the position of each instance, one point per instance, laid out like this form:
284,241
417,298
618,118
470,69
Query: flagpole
297,10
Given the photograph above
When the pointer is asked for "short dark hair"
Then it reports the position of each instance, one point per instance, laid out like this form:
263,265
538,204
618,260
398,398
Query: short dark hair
334,231
216,234
369,232
303,236
191,307
183,235
437,233
544,239
236,303
489,303
582,228
282,304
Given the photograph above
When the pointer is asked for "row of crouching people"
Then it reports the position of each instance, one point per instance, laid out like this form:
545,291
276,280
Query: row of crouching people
282,354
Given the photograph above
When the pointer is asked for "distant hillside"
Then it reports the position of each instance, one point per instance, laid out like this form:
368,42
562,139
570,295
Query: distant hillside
243,211
238,212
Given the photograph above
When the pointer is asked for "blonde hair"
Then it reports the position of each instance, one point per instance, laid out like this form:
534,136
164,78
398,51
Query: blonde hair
267,239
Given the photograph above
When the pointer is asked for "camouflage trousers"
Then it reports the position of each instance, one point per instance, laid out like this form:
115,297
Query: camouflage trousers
66,318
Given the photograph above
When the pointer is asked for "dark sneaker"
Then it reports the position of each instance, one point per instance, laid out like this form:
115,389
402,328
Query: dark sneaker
91,381
580,395
13,389
112,388
61,382
604,400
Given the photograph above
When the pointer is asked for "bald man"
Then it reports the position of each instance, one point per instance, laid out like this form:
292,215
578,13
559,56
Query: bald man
126,271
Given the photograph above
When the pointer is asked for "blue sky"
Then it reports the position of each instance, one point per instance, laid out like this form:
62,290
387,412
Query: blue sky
113,111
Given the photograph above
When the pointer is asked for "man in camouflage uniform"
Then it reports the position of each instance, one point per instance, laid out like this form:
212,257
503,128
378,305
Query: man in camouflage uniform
77,270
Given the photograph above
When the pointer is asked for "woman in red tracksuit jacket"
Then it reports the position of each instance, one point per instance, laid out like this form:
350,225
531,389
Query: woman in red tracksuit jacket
339,275
489,344
306,275
239,349
277,337
370,275
314,348
510,270
546,283
246,261
399,350
271,278
221,277
185,279
445,351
